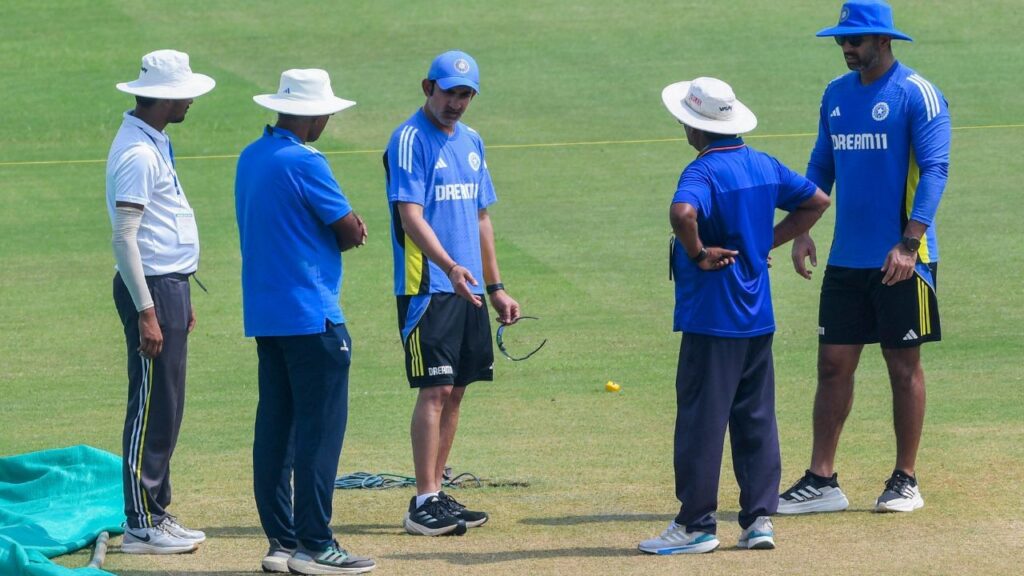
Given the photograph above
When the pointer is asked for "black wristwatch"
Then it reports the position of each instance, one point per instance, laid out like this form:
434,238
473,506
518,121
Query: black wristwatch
492,288
911,244
700,256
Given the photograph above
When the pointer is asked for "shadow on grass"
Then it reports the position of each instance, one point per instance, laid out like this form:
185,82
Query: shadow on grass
478,558
603,518
339,530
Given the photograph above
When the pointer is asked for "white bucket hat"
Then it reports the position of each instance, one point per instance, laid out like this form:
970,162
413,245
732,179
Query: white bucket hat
304,93
165,74
708,104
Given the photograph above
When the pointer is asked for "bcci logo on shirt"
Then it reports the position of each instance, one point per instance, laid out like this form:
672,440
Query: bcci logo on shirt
462,66
880,111
474,161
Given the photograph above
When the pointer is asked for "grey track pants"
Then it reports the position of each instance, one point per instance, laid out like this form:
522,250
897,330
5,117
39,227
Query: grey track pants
156,398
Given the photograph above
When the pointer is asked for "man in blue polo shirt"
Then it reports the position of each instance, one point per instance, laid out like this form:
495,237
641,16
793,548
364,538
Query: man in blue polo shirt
722,215
293,223
883,139
438,190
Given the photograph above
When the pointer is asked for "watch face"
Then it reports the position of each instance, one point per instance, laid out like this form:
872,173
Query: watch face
912,244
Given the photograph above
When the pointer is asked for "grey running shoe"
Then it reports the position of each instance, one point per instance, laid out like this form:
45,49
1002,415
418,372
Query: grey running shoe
758,536
155,540
901,494
472,519
333,560
676,540
813,493
176,528
277,557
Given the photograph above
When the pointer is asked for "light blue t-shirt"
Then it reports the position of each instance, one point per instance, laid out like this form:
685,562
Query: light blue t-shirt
735,190
448,176
886,147
286,198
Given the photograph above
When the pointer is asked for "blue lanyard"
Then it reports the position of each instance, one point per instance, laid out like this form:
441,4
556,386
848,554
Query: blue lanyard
171,165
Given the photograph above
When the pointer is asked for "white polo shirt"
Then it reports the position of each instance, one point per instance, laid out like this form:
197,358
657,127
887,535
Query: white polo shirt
140,170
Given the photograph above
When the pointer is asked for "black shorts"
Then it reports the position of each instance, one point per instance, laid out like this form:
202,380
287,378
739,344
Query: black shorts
447,340
856,308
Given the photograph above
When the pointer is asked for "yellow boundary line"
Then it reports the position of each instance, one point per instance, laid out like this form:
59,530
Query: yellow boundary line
494,147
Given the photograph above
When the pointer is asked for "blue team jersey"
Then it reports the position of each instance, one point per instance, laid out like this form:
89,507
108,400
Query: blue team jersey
735,191
886,147
286,198
448,176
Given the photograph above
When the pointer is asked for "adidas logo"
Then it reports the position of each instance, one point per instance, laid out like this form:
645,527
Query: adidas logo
835,113
910,335
440,164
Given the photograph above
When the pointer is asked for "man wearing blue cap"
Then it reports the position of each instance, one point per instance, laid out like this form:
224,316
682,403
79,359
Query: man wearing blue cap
439,189
883,139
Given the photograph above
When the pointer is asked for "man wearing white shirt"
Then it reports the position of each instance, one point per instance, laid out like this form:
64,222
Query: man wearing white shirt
156,247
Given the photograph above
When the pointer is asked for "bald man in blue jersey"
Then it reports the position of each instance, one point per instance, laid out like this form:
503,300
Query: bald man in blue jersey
883,139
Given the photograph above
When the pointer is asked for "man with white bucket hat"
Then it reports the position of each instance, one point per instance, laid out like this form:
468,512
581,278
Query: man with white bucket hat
156,247
722,216
883,139
293,223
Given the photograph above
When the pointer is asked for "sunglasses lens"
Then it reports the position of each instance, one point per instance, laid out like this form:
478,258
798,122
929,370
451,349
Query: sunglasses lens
854,41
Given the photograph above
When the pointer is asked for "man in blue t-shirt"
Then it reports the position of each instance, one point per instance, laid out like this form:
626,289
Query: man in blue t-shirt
439,188
883,139
722,215
293,224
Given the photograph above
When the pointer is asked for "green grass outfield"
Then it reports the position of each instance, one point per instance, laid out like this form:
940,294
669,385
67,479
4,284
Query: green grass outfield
585,160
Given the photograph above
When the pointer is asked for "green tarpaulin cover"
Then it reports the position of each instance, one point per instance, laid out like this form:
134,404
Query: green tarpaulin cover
55,502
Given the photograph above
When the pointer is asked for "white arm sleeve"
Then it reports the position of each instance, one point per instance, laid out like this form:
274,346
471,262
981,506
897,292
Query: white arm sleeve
126,253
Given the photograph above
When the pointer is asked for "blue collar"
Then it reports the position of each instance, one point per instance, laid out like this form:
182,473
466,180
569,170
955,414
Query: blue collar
722,146
275,132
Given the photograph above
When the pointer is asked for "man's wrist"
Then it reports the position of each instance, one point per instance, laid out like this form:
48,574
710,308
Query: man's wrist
451,268
497,286
700,256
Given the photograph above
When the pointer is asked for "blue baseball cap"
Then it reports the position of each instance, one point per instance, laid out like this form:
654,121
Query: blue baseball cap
859,17
455,68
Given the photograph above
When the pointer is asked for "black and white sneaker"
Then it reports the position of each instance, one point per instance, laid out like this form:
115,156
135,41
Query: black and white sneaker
901,494
813,493
277,557
433,518
472,519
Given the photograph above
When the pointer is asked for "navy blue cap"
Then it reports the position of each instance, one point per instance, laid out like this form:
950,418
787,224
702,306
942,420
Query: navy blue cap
455,68
859,17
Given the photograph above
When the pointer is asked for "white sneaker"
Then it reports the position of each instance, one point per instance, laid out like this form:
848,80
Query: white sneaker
758,536
277,557
676,540
156,540
174,527
810,494
901,494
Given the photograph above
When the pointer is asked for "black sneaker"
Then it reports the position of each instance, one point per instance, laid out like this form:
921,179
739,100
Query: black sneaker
472,519
901,494
433,518
812,493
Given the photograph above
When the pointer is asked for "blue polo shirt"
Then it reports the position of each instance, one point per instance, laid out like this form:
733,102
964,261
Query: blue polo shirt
735,190
286,198
448,176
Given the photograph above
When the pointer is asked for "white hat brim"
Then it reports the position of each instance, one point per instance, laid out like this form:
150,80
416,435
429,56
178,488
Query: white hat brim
195,86
299,107
674,96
